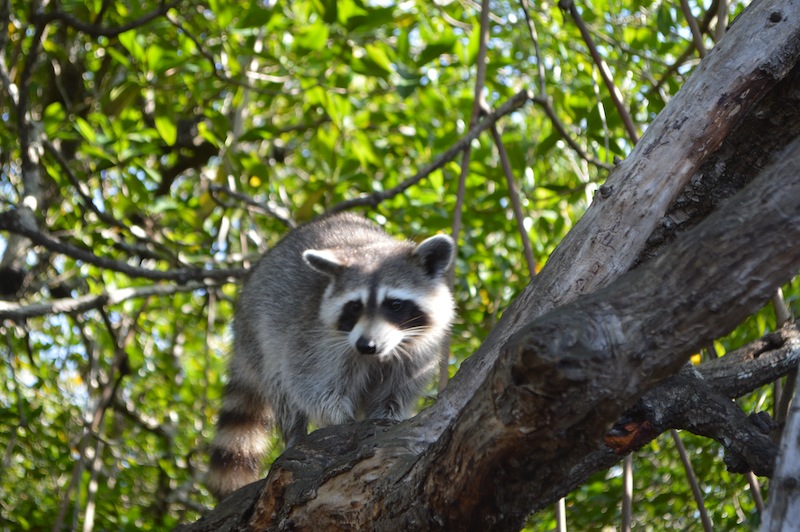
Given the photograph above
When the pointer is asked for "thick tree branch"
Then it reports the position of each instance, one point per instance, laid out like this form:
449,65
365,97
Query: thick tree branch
755,55
746,369
783,511
743,155
563,377
777,360
687,401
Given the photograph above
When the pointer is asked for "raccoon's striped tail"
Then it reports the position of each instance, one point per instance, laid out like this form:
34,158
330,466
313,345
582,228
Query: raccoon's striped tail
240,442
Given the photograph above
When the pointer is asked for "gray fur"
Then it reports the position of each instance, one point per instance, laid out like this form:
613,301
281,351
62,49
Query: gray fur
292,365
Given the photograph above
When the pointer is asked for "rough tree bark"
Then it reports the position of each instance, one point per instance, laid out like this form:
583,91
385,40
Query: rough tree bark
783,512
523,421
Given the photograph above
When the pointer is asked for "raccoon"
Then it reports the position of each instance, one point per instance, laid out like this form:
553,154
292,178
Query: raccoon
337,322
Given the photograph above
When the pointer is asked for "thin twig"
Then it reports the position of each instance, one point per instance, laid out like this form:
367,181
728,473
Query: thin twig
692,478
547,106
276,211
540,72
616,96
19,313
668,74
516,206
458,211
91,491
12,221
8,85
101,215
43,19
544,101
117,371
374,199
29,140
209,57
627,494
755,491
782,396
561,515
697,36
722,19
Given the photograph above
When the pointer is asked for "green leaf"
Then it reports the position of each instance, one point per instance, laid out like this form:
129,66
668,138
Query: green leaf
379,57
348,10
433,50
256,17
54,118
85,130
166,123
312,37
122,97
130,41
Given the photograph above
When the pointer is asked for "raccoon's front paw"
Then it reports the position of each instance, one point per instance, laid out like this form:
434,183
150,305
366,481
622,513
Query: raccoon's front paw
388,410
342,412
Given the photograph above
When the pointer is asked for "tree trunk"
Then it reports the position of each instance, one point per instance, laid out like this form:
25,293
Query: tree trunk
783,512
524,419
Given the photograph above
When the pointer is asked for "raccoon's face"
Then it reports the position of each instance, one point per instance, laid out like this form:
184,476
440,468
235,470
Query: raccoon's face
391,302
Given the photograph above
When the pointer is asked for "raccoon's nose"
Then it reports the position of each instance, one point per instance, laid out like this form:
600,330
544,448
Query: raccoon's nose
366,346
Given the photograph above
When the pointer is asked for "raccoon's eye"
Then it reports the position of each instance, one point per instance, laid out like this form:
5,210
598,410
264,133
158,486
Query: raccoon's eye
395,305
353,307
351,313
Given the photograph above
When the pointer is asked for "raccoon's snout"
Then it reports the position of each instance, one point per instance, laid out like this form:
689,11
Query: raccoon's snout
366,346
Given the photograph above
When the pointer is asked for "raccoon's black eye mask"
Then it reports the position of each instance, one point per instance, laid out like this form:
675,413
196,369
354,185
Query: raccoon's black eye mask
403,313
350,314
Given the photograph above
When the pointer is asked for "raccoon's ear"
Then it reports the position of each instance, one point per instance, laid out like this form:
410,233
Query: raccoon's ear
436,254
324,261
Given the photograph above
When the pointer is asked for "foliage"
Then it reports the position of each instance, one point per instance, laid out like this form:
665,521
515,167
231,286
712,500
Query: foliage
189,134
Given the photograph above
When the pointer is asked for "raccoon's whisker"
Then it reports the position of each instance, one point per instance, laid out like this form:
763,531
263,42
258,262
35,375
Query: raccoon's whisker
404,352
409,321
416,332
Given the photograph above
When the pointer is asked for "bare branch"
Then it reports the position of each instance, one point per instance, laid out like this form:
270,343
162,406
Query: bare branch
687,401
692,479
12,221
697,36
458,210
374,199
616,97
681,60
513,194
276,211
745,369
43,19
117,372
540,72
18,313
783,510
545,103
